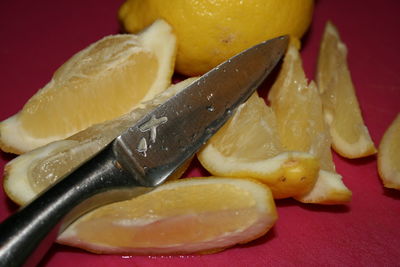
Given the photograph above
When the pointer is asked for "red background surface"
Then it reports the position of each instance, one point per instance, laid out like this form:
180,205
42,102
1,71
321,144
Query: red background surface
38,36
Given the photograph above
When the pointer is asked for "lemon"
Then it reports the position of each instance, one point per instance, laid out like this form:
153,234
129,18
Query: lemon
210,32
389,155
350,135
105,80
301,127
186,216
248,145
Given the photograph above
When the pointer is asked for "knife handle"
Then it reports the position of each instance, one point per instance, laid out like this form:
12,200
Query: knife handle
27,235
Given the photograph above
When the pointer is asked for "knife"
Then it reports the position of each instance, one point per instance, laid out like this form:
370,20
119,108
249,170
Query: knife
142,157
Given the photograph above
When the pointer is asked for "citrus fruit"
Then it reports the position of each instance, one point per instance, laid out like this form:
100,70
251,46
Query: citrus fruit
298,109
329,189
301,127
389,155
210,32
30,173
248,145
101,82
350,136
186,216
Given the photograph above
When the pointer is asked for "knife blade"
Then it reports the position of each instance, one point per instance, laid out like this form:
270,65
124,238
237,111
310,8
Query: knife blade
142,157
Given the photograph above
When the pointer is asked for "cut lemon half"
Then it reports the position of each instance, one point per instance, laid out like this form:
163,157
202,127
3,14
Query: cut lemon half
350,136
248,145
101,82
301,127
389,155
29,174
193,215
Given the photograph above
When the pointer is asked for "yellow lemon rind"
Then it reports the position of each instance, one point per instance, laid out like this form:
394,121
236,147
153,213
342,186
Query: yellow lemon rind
279,172
241,24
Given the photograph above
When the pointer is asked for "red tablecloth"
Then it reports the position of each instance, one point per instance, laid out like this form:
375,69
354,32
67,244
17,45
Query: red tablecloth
38,36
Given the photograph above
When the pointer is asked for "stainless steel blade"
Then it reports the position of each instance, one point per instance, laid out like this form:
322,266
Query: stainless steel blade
156,146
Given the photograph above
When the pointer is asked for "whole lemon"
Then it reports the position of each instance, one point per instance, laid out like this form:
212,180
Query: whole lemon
211,31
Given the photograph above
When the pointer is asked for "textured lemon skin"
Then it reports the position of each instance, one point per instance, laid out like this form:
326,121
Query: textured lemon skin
210,32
